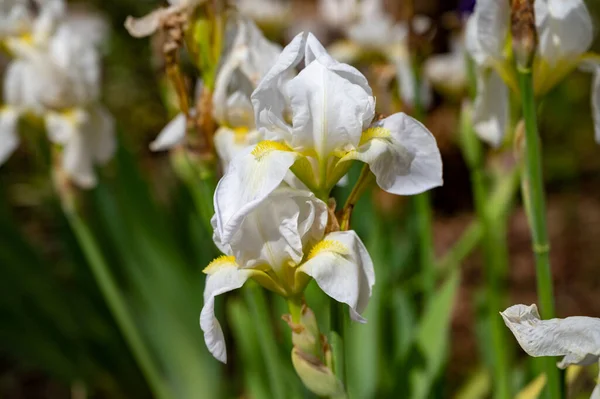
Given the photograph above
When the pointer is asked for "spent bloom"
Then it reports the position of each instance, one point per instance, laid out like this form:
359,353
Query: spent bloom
576,338
56,77
315,124
565,32
281,244
148,24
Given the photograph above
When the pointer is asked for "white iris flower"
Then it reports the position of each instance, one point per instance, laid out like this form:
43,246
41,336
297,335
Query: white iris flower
315,124
565,32
56,76
280,243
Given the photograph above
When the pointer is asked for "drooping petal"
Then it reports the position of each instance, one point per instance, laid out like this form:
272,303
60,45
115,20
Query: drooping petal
9,139
565,29
223,276
250,178
576,338
402,154
328,110
71,130
491,108
275,232
148,24
172,135
343,269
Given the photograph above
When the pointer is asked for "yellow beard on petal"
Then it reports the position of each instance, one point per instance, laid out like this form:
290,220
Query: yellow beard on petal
217,263
265,147
328,246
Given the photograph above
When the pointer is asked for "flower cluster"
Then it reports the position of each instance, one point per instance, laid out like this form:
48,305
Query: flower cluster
565,32
55,76
271,219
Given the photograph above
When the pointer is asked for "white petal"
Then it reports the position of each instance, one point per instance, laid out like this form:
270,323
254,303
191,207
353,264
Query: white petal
407,83
402,154
576,338
328,110
148,24
343,269
275,232
269,100
226,277
102,131
230,143
9,139
172,135
447,71
595,102
338,13
250,178
78,142
492,21
564,27
491,108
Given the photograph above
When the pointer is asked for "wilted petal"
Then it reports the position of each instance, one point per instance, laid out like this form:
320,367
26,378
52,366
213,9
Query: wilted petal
9,139
328,110
402,154
342,267
576,338
275,231
565,29
491,108
172,135
250,178
223,276
148,24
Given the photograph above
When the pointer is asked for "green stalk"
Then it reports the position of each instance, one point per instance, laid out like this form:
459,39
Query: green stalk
336,340
533,191
117,306
425,236
495,253
257,303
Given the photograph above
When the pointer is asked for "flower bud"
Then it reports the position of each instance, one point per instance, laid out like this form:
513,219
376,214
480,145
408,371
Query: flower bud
319,379
524,34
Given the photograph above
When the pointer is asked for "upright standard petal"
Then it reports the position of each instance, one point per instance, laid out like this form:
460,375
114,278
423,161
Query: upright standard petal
492,21
223,276
172,135
328,110
269,100
9,139
491,108
343,269
565,29
275,232
250,178
402,154
576,338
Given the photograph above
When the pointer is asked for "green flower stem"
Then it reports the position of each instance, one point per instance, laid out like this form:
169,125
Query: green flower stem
425,237
336,340
364,181
117,306
533,191
257,303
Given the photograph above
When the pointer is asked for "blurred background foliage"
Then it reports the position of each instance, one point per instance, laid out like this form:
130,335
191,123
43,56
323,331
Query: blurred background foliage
58,338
